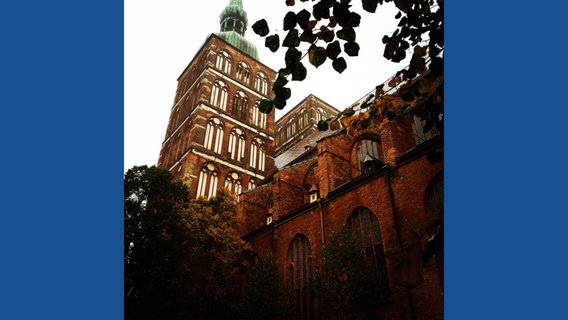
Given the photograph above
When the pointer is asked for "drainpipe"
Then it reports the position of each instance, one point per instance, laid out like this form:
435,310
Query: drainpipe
397,228
321,223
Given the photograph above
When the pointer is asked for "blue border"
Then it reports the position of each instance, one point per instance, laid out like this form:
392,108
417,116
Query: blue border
62,139
505,161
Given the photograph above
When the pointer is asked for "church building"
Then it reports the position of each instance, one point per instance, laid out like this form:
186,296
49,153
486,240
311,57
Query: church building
296,185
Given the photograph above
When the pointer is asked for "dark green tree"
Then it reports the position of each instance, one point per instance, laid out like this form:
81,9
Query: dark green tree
183,259
218,258
154,235
326,31
264,293
346,285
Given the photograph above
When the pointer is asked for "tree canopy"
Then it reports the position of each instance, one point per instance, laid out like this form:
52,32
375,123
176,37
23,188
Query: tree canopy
327,32
183,259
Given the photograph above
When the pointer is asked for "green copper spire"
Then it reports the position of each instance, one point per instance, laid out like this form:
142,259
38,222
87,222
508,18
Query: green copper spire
234,18
234,22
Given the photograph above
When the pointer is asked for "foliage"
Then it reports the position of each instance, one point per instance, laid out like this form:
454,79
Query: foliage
183,259
153,211
329,29
346,285
263,293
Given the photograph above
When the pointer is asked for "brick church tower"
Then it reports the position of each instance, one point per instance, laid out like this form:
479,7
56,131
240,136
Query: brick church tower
216,135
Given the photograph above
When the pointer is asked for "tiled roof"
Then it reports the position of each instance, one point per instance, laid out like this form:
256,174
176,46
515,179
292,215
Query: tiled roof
301,148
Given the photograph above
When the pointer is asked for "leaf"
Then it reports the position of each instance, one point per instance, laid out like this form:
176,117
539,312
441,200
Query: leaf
348,112
327,35
303,19
403,5
347,34
282,93
260,27
398,15
308,36
265,106
317,55
279,103
321,11
346,121
292,39
322,125
333,50
370,5
289,21
272,42
280,82
292,58
299,72
339,64
341,13
290,3
334,125
355,20
351,48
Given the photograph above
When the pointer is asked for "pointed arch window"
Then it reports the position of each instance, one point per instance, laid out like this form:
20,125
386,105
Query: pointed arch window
208,180
291,128
219,93
434,223
257,155
258,118
366,147
321,115
366,230
233,183
418,129
243,72
299,275
240,104
301,120
214,135
251,184
223,61
236,149
261,83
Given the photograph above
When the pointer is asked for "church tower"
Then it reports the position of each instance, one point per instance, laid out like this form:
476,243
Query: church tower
216,135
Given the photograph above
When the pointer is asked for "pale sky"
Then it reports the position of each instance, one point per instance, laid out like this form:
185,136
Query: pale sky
161,38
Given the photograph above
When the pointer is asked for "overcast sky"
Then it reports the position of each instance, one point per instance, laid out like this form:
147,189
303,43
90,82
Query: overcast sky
161,38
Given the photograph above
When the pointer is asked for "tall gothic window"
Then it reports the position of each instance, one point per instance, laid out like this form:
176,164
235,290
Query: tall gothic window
261,83
299,274
214,135
240,104
233,183
243,72
367,233
301,120
208,180
257,155
434,223
258,118
365,147
223,62
236,149
219,95
251,184
321,115
418,130
291,128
